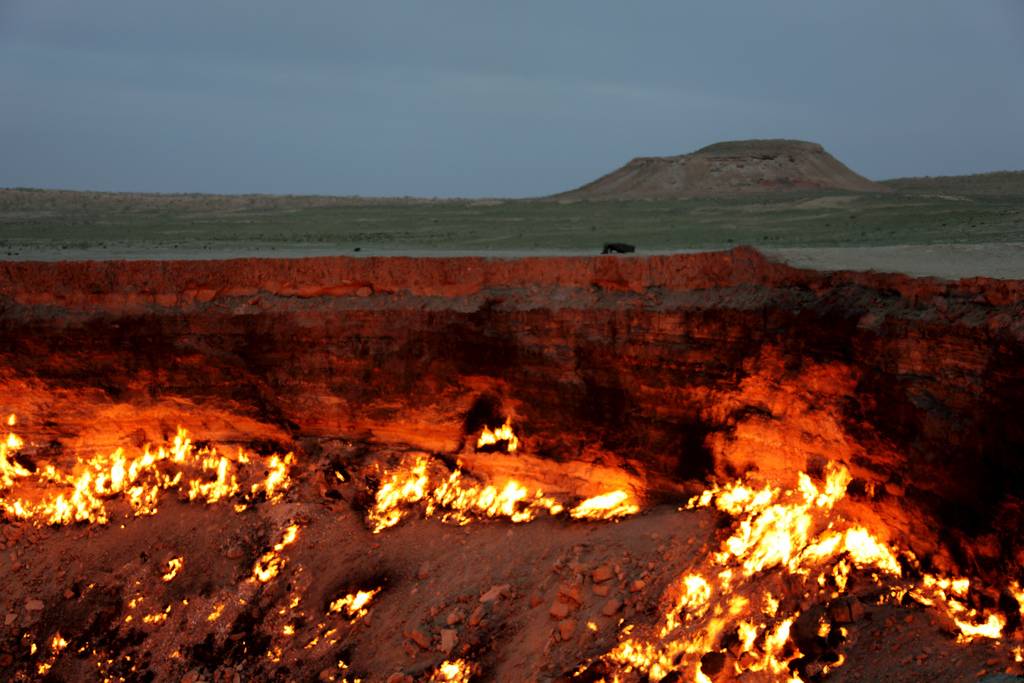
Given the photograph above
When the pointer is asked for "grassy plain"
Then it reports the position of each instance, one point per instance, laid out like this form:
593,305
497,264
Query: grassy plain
48,224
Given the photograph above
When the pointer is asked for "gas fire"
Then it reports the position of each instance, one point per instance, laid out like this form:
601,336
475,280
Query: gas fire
791,543
354,605
270,563
52,495
502,434
772,597
454,497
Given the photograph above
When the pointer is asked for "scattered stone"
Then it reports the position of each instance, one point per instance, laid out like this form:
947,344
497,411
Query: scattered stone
34,605
637,586
454,617
602,589
566,627
570,593
449,639
234,553
846,610
602,574
559,610
535,600
712,663
417,636
477,616
10,618
399,677
495,593
611,607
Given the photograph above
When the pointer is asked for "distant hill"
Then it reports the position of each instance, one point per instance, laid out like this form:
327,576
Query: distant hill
1000,183
741,167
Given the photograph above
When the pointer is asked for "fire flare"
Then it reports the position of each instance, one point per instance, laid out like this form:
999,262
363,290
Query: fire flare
82,494
454,497
503,433
453,671
605,506
271,562
354,605
778,534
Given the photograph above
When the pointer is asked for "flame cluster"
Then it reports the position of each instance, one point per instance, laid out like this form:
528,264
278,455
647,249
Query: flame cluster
354,605
271,562
503,433
736,602
455,497
453,671
52,495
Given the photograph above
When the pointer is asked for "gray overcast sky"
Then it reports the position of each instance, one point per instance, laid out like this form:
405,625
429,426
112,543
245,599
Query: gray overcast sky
481,98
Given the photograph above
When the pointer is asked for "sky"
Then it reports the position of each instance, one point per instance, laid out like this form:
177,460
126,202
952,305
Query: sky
479,98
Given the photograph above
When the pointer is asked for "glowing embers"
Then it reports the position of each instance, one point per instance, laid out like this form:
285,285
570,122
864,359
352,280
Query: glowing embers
174,566
457,497
501,439
50,494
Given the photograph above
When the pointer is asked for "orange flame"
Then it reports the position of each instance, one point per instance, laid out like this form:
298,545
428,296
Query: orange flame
502,433
354,604
454,498
453,671
271,562
82,494
794,532
605,506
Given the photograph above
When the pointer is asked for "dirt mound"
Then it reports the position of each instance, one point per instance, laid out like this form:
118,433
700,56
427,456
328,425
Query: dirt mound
728,168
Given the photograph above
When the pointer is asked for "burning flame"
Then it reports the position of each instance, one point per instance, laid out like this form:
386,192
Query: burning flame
271,562
454,671
502,433
793,533
82,493
605,506
174,566
454,498
354,604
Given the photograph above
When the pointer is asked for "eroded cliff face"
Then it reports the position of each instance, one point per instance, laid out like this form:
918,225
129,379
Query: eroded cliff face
650,375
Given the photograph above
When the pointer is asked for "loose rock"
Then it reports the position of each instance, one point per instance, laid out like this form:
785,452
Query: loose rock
449,639
611,607
417,636
559,610
602,574
495,593
566,628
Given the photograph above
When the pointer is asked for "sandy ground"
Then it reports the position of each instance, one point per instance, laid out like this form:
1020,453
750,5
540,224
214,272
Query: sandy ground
950,261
